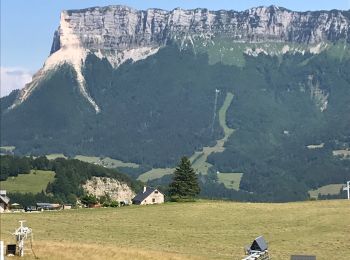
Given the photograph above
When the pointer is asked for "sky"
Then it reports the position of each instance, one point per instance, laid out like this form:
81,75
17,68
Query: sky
27,26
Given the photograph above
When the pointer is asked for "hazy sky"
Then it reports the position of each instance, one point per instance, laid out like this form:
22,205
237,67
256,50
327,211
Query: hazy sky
27,26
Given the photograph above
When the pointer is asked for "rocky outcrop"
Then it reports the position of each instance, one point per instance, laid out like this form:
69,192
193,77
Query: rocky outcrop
104,186
121,27
317,94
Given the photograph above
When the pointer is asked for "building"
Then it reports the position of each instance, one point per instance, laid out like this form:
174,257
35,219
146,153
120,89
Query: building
148,196
48,206
4,201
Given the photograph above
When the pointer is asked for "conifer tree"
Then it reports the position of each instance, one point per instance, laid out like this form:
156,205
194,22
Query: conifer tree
185,183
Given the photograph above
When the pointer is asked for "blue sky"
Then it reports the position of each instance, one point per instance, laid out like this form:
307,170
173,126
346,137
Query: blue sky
27,26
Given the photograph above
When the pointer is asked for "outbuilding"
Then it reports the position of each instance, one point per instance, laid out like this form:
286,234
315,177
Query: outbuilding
148,196
4,201
48,206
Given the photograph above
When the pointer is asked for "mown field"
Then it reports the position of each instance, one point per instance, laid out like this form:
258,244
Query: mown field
230,180
331,189
107,162
34,182
199,230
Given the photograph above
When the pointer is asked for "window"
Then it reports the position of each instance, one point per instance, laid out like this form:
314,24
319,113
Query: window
153,200
156,192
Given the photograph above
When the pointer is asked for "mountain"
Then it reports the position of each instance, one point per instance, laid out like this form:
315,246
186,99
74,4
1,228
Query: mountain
264,92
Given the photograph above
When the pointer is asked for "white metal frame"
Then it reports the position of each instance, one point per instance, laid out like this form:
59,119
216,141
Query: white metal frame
21,234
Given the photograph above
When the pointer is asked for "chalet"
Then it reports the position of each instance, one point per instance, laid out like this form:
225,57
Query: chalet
4,201
148,196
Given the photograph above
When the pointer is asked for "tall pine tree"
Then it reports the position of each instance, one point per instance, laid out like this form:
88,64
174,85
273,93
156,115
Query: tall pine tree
185,183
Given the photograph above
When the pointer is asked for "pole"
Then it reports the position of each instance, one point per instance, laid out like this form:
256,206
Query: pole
1,250
21,247
347,188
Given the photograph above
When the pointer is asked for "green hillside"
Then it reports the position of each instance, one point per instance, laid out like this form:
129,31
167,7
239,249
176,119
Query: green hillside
201,230
159,109
34,182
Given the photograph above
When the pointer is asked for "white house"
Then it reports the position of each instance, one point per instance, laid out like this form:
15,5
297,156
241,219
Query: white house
148,196
4,201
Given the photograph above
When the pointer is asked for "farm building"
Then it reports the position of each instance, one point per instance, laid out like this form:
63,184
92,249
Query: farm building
4,201
48,206
148,196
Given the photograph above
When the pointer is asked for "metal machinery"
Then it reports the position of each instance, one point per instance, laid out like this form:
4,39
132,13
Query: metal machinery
21,234
258,250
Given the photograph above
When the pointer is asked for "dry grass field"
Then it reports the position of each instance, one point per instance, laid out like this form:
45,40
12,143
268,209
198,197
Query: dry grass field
199,230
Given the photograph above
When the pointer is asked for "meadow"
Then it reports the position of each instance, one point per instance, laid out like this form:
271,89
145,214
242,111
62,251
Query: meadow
230,180
196,230
331,189
34,182
107,162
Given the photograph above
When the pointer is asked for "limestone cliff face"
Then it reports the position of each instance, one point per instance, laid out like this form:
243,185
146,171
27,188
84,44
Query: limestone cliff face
102,186
121,27
120,33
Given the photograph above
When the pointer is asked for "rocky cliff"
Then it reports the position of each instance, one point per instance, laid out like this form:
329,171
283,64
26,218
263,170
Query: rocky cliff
104,186
121,27
120,33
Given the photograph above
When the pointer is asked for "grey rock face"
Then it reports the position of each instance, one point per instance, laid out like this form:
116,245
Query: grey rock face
121,27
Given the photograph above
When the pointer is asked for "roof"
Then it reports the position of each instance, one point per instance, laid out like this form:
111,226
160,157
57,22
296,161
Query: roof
143,195
259,244
5,199
47,205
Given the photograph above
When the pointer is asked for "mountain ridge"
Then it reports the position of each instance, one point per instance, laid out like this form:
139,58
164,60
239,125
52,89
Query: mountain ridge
156,26
120,33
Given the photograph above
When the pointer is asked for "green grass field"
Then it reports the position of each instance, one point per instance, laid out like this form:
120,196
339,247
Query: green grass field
230,180
107,162
200,163
7,148
34,182
332,189
54,156
199,230
155,174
